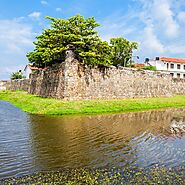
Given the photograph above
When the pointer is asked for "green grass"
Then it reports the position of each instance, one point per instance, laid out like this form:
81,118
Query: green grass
49,106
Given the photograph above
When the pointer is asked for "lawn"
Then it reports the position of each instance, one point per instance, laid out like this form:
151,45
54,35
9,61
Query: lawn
50,106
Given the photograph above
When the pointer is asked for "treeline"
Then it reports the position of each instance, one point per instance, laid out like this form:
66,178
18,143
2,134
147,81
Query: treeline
80,35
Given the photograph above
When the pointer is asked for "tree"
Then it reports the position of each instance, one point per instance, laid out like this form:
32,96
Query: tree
77,33
122,51
17,75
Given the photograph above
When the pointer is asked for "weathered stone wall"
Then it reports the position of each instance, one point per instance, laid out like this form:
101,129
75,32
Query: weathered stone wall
3,85
23,84
113,83
49,83
73,81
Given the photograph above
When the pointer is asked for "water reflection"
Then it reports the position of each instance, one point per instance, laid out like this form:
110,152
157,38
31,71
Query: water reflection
141,139
31,143
177,126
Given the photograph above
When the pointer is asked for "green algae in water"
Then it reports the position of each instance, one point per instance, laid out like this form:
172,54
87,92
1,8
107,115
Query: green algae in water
104,176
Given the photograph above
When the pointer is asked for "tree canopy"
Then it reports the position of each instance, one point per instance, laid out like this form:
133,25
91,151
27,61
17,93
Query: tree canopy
122,50
80,35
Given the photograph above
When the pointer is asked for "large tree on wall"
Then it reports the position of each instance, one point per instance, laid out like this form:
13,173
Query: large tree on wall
77,33
122,51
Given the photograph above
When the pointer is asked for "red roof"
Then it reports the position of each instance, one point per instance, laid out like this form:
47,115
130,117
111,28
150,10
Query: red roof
175,60
139,65
34,68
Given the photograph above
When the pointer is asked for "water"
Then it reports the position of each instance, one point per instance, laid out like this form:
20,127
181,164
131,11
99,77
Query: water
30,143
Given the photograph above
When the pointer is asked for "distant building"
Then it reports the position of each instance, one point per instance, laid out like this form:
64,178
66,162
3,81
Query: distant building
30,69
173,66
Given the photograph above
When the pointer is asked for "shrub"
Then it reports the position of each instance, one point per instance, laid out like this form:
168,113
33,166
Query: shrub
17,75
151,68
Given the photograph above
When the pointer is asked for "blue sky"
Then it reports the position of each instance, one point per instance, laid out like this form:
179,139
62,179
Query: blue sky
158,25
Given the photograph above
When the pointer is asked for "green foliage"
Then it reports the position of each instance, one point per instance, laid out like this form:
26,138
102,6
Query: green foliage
122,51
77,33
80,35
151,68
17,75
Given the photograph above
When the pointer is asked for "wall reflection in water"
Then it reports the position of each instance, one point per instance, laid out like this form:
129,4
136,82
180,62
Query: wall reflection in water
142,139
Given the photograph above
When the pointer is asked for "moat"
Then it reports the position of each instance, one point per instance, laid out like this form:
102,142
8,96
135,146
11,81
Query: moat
30,143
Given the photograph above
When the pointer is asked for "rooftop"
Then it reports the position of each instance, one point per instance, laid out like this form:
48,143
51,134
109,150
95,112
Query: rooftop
34,68
175,60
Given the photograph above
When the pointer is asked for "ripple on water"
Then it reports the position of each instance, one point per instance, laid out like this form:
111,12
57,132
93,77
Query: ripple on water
31,143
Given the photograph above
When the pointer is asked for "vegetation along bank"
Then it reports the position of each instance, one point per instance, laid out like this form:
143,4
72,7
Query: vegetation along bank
115,176
49,106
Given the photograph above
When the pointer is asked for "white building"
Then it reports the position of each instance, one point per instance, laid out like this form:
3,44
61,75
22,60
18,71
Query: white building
30,69
173,66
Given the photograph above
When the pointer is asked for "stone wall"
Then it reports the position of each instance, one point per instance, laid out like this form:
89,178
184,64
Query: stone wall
73,81
14,85
113,83
3,85
49,83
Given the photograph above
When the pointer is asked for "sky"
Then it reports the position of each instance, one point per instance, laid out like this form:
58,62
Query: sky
157,25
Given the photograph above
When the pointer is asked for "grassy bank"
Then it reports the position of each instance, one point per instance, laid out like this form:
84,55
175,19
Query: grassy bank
48,106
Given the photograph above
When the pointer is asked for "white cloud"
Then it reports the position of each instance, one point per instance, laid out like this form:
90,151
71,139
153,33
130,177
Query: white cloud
176,49
181,17
44,2
150,44
163,28
162,12
35,15
16,40
58,9
117,25
162,16
14,35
